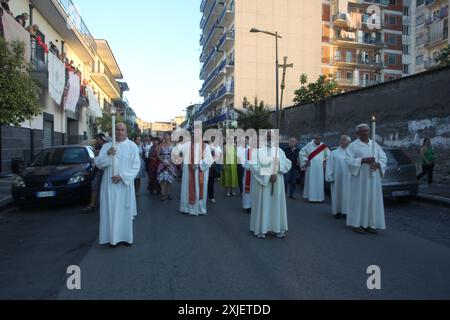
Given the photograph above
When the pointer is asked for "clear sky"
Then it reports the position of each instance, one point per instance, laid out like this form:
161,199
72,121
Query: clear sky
156,43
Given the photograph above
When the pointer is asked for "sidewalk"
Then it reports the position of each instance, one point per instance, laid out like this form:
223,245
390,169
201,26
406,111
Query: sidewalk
438,194
5,190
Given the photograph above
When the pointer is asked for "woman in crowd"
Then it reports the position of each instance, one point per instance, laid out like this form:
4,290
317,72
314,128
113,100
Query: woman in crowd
166,170
153,165
428,158
142,173
230,173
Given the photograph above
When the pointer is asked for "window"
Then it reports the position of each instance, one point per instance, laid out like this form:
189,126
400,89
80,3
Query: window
393,2
406,69
420,19
392,39
406,30
392,59
405,49
419,60
392,20
349,75
406,11
419,40
391,78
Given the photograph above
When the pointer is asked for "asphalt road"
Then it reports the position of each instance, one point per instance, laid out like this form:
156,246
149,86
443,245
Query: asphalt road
216,257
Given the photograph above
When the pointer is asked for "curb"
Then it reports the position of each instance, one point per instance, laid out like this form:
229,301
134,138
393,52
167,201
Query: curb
5,202
441,201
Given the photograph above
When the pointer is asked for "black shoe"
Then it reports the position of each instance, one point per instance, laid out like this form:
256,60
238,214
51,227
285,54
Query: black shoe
338,216
249,211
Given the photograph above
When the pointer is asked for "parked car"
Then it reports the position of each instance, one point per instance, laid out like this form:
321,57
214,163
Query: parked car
399,181
58,175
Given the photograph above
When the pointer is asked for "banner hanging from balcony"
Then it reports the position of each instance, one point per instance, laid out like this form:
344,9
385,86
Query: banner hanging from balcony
13,31
93,104
73,94
56,78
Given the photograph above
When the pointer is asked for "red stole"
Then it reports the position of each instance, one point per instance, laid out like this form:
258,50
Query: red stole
248,176
316,152
201,176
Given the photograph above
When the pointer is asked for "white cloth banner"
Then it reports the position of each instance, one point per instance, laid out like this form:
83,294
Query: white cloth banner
13,31
74,92
93,104
56,78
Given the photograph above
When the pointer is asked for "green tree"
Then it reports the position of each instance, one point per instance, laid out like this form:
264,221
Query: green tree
254,116
105,124
444,57
19,94
324,87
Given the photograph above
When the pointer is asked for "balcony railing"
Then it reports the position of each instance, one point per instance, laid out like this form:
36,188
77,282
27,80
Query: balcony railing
78,23
358,60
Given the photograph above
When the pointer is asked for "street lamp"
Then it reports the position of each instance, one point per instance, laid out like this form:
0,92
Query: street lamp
277,79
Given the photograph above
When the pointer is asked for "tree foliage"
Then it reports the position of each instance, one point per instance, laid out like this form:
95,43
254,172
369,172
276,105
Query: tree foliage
19,94
444,57
324,87
105,125
254,116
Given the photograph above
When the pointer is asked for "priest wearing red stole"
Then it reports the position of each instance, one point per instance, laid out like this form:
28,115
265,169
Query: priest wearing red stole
314,158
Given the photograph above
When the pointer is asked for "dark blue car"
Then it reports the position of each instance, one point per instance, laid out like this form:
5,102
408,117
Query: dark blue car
58,175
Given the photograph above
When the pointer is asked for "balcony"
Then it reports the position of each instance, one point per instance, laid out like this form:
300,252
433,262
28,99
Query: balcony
39,64
107,82
214,76
358,62
342,20
351,39
63,16
357,83
227,16
227,41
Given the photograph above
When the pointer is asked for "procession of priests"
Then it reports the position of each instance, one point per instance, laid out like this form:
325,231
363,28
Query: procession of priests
354,171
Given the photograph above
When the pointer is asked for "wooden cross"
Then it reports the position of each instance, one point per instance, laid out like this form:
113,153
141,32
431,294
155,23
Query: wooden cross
283,86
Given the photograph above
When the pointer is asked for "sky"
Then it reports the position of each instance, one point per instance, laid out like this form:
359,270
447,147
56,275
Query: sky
156,44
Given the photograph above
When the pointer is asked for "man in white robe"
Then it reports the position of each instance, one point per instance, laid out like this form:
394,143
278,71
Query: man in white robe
194,183
339,177
117,196
269,212
313,157
366,212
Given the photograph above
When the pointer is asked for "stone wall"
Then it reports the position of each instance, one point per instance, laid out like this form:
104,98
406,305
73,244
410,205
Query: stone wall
407,111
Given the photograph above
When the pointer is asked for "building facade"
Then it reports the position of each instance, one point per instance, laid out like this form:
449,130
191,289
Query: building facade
237,63
61,29
431,31
362,41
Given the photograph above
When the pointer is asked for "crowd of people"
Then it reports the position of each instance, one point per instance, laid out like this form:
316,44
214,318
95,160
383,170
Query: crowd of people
266,177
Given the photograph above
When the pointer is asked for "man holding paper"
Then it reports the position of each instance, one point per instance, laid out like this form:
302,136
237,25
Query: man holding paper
367,163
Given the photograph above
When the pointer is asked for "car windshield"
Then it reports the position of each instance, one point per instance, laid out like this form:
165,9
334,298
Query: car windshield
397,157
57,157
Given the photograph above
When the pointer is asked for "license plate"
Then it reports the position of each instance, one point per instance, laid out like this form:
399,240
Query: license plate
48,194
401,193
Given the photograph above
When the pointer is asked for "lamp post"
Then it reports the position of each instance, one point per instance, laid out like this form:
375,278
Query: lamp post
277,77
113,133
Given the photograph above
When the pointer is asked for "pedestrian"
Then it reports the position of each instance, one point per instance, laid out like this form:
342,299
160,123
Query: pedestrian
366,210
216,152
166,170
100,141
428,159
153,165
269,211
22,19
142,174
339,177
230,179
313,157
197,158
117,197
291,178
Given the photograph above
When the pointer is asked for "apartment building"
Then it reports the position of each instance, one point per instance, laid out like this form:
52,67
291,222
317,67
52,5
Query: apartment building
362,41
237,63
431,31
61,28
